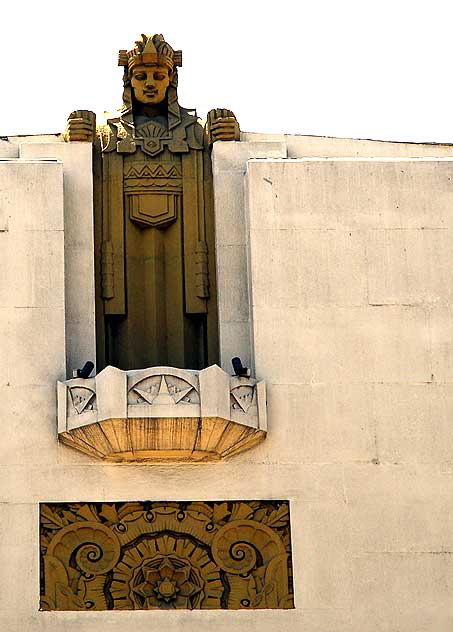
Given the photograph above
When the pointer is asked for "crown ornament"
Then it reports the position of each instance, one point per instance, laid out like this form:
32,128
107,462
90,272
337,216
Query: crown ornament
150,51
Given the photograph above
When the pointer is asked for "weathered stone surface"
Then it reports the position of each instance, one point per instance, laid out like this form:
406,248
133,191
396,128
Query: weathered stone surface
78,246
8,149
39,205
380,582
32,288
329,194
304,146
229,164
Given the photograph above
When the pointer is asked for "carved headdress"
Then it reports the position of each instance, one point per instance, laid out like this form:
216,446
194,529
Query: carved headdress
152,50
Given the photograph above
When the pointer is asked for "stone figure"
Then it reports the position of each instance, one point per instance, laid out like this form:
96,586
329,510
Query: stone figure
154,225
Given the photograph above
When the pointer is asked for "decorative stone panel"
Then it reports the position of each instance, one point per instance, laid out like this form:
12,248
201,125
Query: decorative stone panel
166,555
162,414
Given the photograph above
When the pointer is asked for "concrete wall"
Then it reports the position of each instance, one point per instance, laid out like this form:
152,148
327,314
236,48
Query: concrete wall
78,245
299,146
349,321
77,176
229,170
345,294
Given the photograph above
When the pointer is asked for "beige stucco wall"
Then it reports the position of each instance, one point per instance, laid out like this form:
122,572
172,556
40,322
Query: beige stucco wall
299,146
76,160
344,294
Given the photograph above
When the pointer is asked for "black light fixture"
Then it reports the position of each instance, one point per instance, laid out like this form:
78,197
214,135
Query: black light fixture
84,373
239,369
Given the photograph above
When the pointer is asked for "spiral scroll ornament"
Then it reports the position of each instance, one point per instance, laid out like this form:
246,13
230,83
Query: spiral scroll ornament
234,557
93,547
241,545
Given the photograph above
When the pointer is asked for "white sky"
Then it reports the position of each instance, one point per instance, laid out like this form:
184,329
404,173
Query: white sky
367,69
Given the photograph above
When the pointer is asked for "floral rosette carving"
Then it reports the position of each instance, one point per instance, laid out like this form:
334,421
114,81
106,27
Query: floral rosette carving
166,572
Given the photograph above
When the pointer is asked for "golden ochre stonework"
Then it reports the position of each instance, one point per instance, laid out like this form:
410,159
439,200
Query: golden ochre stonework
166,555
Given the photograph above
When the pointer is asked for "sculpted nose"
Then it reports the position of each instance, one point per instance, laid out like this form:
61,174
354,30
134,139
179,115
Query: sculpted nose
149,83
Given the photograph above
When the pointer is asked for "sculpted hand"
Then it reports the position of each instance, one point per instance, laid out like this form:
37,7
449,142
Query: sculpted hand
81,126
222,125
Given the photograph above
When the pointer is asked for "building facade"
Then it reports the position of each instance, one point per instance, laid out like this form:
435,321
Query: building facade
334,286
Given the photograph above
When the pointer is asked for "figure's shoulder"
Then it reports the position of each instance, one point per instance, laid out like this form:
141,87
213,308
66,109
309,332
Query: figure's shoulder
117,127
188,117
196,136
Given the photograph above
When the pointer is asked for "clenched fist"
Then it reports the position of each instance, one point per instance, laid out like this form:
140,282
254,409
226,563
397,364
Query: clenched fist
222,125
81,126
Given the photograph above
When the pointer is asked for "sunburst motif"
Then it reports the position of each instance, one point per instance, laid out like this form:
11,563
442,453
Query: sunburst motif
164,390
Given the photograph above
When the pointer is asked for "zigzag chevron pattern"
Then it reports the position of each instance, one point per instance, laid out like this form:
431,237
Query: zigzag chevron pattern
160,170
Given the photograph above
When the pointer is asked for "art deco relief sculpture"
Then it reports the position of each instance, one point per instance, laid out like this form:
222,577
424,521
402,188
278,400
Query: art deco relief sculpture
158,395
166,555
154,228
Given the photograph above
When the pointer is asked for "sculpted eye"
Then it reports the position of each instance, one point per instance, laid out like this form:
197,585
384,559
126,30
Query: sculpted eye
159,76
140,76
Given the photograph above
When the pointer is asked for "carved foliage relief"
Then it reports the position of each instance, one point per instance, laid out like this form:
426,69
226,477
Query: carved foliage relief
165,555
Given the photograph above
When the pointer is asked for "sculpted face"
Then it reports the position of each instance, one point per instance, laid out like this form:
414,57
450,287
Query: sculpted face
150,83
